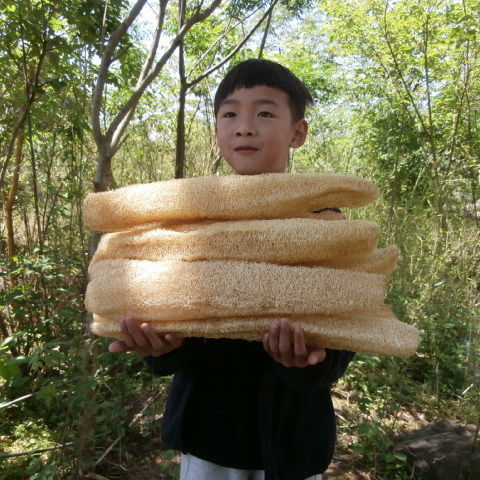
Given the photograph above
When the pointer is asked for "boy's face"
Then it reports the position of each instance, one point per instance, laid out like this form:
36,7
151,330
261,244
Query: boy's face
255,130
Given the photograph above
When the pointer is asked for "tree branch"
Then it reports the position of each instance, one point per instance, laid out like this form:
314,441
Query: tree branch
153,49
25,397
265,34
33,452
31,94
115,39
433,145
218,40
117,140
400,74
235,50
458,114
132,102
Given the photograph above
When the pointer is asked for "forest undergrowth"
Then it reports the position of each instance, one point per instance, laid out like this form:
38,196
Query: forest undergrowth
434,288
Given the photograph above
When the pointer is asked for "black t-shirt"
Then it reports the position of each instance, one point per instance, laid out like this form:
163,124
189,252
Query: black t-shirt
232,404
231,427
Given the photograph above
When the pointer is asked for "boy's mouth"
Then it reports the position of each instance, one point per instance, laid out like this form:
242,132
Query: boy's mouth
246,149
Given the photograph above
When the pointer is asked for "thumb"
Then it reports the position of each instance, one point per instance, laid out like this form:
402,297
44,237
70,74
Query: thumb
117,347
316,356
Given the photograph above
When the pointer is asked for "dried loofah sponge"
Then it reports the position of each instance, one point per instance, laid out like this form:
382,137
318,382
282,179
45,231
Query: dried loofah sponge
267,196
175,290
282,241
382,334
382,261
182,265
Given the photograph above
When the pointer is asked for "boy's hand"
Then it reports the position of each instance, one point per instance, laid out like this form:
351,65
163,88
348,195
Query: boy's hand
286,344
144,340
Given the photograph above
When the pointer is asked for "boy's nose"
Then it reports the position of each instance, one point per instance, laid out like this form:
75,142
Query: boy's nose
245,129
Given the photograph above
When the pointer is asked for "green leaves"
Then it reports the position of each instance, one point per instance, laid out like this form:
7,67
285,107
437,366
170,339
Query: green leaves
376,448
9,340
46,394
8,369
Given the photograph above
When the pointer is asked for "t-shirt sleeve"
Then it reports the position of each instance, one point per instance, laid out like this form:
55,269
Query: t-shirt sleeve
316,376
169,363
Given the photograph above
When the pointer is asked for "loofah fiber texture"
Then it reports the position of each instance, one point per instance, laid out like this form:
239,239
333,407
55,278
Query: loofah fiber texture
382,334
382,261
284,241
175,290
266,196
182,265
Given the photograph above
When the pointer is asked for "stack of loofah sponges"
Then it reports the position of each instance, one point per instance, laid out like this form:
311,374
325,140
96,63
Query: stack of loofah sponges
226,256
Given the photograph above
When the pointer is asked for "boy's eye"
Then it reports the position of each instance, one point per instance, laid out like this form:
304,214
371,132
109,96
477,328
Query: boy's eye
228,114
265,114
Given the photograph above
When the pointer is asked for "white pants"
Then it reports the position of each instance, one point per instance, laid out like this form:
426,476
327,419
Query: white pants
194,468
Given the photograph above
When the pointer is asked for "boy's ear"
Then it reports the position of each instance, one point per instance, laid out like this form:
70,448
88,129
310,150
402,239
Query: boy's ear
300,130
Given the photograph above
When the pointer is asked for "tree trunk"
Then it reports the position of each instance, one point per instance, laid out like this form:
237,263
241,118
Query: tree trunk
104,179
85,451
10,199
8,202
108,143
180,147
180,144
38,222
216,164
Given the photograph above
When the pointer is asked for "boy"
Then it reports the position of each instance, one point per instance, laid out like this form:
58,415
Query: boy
243,410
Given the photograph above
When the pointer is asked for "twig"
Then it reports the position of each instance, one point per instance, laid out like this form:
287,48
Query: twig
95,476
135,418
117,140
118,465
235,50
19,399
219,39
32,452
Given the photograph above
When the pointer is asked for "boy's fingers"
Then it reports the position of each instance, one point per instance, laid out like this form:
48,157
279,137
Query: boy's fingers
173,340
139,338
300,347
285,338
156,342
127,338
316,356
273,347
117,347
266,346
285,343
273,339
299,342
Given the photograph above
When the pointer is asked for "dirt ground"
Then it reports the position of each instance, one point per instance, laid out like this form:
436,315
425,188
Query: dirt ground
341,468
143,457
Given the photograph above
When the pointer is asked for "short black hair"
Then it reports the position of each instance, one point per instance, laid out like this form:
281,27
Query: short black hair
256,71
